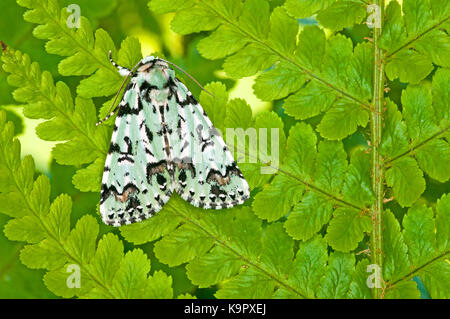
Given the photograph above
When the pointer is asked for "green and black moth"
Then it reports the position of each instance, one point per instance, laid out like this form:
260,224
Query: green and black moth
162,142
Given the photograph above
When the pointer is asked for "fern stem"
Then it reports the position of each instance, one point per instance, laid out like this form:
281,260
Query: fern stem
376,240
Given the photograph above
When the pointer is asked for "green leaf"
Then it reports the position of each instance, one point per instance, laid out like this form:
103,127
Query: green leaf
248,284
153,228
338,276
107,258
27,228
101,83
417,16
221,43
283,31
162,6
436,45
347,229
82,239
278,82
39,197
194,19
337,57
443,223
301,151
255,18
396,262
409,66
357,185
278,250
77,65
57,222
282,193
248,61
360,72
48,254
435,278
306,8
342,120
238,114
394,139
342,14
407,181
434,159
130,52
403,290
131,277
204,271
159,286
309,101
215,106
358,287
182,245
331,166
309,265
311,47
229,9
59,281
441,94
270,128
308,217
419,228
89,179
418,113
393,32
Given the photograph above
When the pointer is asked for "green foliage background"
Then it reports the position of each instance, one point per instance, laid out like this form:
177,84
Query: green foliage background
365,161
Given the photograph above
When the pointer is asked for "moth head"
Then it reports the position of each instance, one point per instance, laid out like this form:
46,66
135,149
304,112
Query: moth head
149,62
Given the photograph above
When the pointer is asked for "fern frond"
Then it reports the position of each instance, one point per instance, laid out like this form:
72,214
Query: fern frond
53,245
86,53
66,120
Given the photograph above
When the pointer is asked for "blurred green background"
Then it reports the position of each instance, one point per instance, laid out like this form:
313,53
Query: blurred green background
122,18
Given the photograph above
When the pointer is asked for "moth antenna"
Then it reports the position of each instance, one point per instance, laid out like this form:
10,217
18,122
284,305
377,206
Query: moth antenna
123,71
107,117
190,76
128,74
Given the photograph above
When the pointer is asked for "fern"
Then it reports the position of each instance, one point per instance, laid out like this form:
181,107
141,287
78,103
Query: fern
53,245
330,210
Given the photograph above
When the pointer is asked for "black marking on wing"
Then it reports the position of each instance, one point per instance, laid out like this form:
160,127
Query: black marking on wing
185,164
215,175
145,89
188,100
126,109
114,148
155,168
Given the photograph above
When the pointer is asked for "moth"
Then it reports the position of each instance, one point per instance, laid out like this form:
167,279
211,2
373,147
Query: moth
162,142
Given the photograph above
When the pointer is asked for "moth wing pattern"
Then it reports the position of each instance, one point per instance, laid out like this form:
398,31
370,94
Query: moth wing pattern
135,182
205,172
